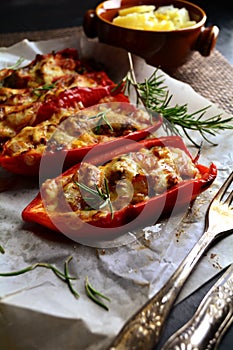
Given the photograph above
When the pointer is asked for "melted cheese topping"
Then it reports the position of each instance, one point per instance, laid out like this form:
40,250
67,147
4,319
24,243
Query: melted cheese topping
131,178
65,130
44,69
24,90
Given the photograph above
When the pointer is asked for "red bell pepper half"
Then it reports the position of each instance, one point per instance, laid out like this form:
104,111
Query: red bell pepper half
28,162
65,205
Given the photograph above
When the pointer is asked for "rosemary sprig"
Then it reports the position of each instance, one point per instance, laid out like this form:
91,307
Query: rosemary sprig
154,95
2,250
94,295
102,120
57,272
104,195
68,278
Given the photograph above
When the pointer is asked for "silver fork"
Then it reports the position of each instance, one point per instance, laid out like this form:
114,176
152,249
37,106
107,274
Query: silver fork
142,331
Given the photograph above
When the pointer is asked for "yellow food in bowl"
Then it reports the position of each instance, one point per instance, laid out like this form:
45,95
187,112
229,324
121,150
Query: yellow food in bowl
146,17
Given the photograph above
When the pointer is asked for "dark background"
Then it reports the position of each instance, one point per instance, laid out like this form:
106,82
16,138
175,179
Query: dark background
34,15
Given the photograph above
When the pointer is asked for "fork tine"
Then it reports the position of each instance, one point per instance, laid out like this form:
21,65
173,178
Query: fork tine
229,199
219,195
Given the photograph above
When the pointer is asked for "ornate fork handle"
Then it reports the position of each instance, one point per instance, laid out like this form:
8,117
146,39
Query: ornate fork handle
212,318
143,329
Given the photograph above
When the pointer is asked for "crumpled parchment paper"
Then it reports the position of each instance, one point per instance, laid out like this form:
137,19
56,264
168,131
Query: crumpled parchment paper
37,310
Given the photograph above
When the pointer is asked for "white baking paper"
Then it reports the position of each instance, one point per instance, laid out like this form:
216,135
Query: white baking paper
37,310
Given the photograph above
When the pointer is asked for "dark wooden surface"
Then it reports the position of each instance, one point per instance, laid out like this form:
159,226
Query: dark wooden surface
33,15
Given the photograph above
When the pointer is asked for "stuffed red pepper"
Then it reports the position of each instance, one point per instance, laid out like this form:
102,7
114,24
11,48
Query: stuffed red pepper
69,138
108,194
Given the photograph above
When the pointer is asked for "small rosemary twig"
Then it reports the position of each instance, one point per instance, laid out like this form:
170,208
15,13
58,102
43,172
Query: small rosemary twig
68,278
57,272
99,193
94,295
102,119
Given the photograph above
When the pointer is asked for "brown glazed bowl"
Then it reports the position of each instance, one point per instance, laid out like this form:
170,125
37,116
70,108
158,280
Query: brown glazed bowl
167,50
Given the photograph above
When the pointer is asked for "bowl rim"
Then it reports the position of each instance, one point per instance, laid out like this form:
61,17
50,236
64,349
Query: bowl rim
195,26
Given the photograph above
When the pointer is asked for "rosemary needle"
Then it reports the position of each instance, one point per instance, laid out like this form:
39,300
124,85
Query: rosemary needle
68,278
45,87
17,64
2,250
94,295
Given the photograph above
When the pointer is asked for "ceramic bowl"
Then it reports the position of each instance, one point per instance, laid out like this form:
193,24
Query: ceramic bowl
167,50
